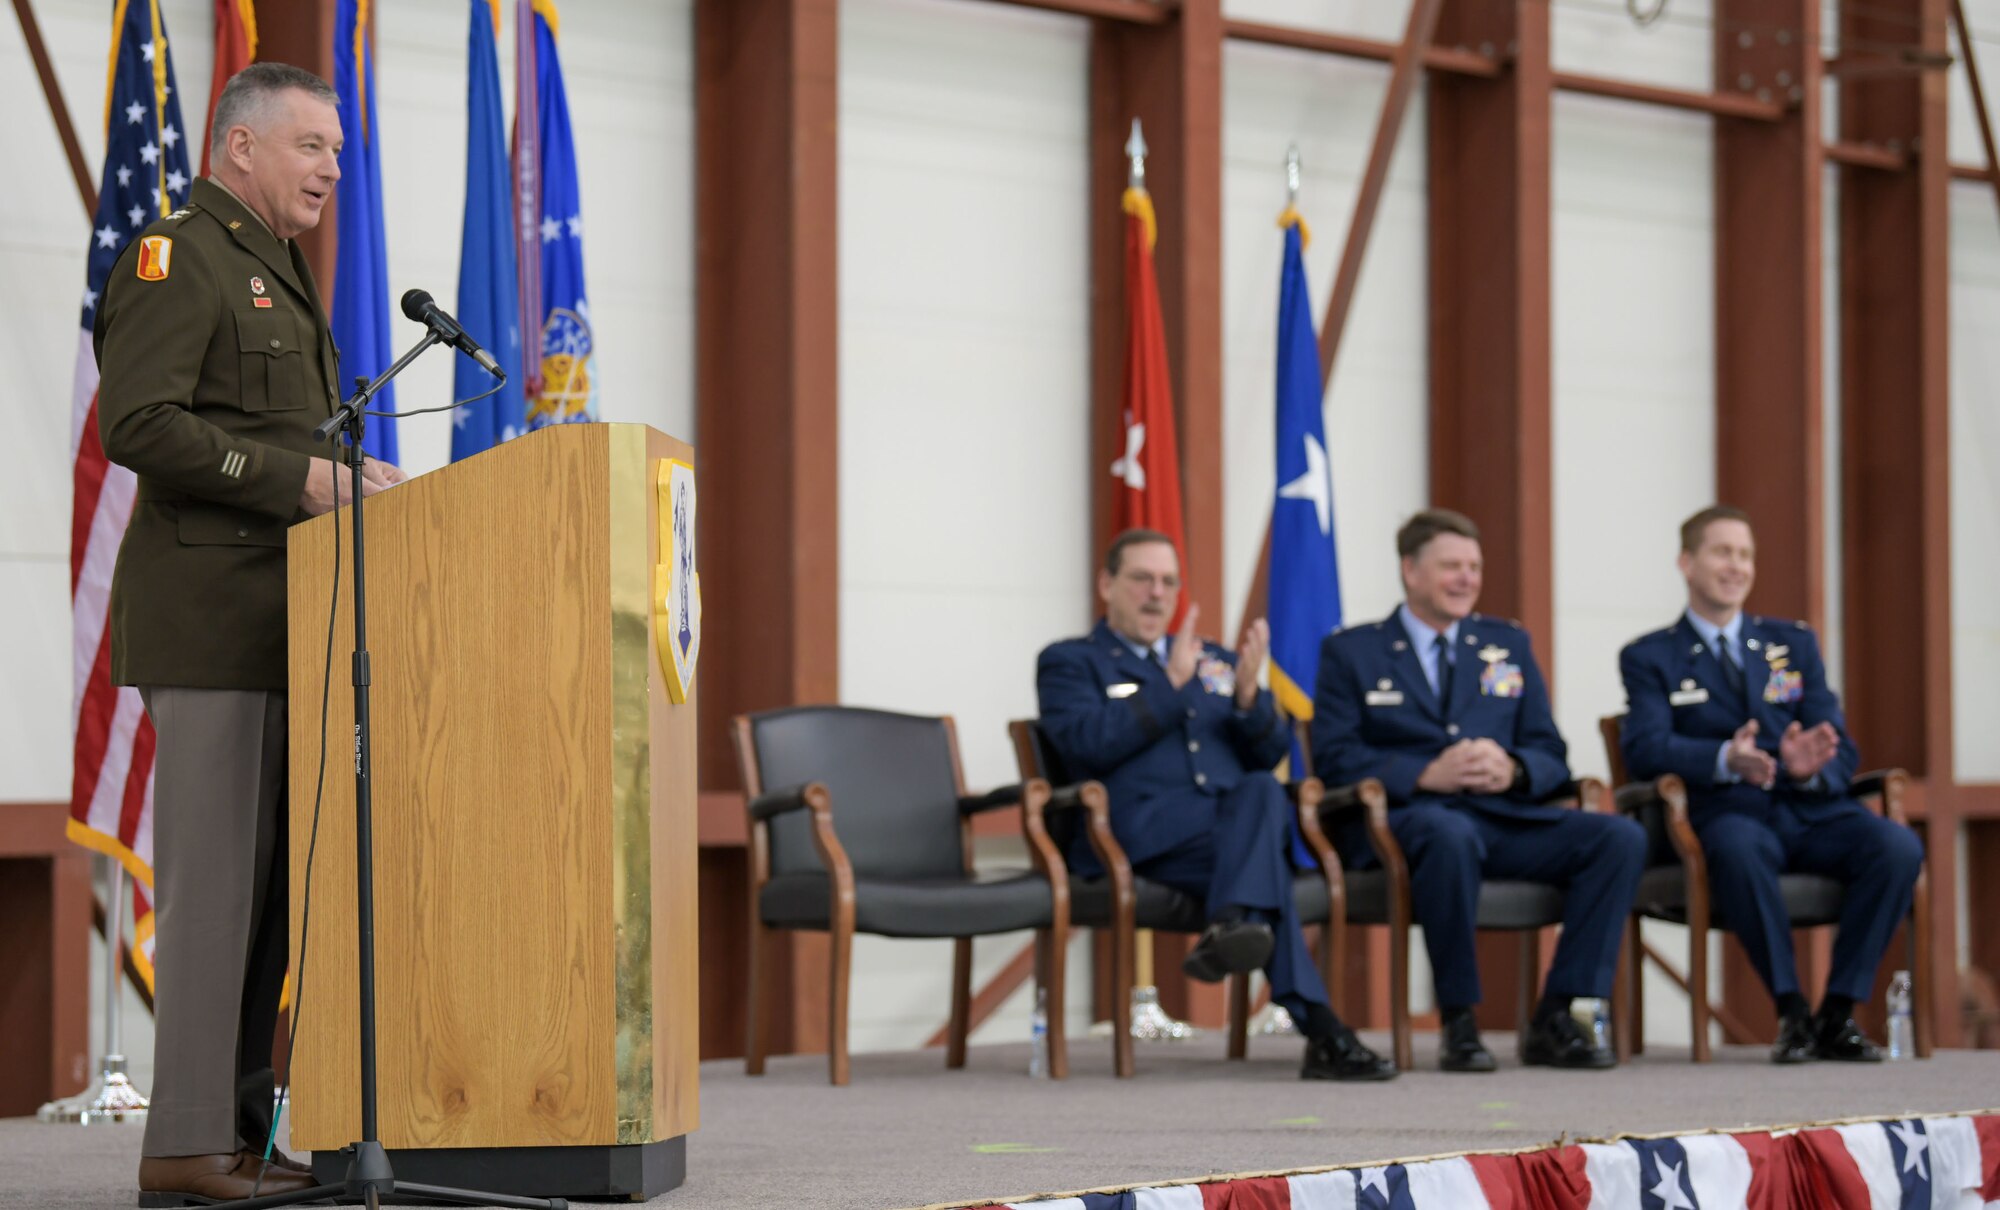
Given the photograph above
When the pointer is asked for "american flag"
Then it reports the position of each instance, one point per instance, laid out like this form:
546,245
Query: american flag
146,175
1935,1163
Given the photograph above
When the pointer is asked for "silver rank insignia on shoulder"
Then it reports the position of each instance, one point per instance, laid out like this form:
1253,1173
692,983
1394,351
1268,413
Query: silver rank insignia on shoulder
182,213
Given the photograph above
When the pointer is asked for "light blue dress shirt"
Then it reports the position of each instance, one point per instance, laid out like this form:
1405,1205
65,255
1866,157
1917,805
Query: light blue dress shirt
1723,641
1424,640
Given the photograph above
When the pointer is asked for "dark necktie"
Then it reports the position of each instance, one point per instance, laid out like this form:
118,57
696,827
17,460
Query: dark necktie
1732,669
1443,649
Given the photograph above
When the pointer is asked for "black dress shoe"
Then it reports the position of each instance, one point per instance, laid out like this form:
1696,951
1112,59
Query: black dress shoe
1343,1057
1229,949
1796,1043
1558,1041
1459,1047
1843,1042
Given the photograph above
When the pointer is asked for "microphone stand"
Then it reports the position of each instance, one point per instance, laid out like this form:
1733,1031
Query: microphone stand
369,1176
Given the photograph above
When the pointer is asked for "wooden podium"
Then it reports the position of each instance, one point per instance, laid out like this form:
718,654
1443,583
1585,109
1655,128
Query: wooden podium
534,826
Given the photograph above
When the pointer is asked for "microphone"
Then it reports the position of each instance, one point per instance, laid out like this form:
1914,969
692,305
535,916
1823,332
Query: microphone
418,305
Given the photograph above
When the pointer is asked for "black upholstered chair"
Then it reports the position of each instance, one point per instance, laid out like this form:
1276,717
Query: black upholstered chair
1122,902
1674,888
1380,895
859,822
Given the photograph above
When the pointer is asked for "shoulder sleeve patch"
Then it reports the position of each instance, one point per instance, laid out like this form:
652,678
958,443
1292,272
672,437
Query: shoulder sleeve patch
156,254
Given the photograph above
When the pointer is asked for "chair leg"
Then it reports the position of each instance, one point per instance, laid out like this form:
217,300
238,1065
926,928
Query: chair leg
1052,961
1635,978
839,969
1122,944
1528,978
1333,964
1399,997
1621,996
961,1002
756,1014
1239,1015
1698,972
1923,991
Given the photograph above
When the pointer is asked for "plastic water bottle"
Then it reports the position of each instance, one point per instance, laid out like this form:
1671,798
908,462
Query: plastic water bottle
1902,1033
1591,1013
1038,1036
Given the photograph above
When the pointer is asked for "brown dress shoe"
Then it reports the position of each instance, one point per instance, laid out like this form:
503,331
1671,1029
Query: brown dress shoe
278,1160
203,1180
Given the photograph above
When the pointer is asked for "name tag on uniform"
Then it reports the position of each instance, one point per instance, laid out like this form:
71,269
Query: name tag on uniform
1124,689
1689,694
1384,697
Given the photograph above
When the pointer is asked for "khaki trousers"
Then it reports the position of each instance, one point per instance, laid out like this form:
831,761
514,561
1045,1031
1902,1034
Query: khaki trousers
220,877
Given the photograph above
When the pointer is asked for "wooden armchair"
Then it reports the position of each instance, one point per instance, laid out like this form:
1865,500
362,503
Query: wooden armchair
1123,903
895,859
1674,888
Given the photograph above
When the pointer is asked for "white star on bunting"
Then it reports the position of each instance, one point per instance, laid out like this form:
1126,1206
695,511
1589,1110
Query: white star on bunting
175,181
89,299
146,49
550,229
170,136
124,176
107,238
576,226
135,113
1914,1146
1669,1188
1376,1179
1313,485
150,153
138,215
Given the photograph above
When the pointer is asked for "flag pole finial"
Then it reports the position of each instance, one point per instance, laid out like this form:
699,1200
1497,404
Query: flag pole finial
1292,174
1135,149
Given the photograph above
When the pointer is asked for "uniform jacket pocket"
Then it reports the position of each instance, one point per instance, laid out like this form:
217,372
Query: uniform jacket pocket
271,360
219,525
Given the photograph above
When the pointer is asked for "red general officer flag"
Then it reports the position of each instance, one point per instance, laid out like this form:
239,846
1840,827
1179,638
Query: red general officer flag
235,47
1148,491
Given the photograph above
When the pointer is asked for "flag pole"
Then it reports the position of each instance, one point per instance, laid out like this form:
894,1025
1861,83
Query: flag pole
1150,1022
112,1098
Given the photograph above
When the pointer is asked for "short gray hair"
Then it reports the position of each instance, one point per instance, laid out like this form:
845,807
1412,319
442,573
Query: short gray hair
246,99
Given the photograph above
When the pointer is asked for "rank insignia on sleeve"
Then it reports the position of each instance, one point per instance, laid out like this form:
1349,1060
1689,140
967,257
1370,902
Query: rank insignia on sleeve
155,254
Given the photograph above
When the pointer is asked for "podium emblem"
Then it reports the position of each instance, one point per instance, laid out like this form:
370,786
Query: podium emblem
676,584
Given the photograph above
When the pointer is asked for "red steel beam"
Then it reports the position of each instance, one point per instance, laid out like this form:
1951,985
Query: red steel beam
1437,58
1869,155
31,32
1978,95
1721,104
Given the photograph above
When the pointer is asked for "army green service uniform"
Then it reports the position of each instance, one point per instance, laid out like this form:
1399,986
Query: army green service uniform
216,364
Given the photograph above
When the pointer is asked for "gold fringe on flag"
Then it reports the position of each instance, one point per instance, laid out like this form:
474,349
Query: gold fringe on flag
1292,218
1139,202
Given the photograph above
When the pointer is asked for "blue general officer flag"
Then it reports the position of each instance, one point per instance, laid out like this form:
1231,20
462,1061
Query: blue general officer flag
360,319
568,343
489,297
1305,576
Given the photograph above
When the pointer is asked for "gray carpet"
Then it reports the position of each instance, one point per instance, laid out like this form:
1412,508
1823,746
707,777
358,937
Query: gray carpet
907,1132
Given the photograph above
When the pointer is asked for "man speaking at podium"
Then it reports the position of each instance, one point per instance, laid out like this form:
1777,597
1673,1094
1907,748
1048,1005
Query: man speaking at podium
216,363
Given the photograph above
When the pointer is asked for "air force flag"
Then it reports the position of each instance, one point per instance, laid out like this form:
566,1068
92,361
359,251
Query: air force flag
1305,576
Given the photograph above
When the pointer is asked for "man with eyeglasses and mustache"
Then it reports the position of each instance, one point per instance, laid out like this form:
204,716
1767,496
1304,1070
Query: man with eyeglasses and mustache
1183,740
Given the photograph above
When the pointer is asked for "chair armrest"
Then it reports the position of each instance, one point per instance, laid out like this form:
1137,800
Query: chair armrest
1666,796
1632,797
1586,793
1888,785
773,803
992,800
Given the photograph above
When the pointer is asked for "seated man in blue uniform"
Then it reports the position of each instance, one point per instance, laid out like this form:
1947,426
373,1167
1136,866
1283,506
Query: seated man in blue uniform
1449,711
1739,707
1183,740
